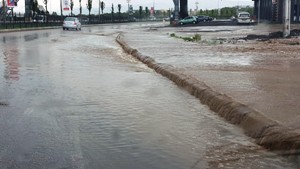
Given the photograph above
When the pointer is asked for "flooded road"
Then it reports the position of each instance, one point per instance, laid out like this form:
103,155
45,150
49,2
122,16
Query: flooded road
75,100
261,74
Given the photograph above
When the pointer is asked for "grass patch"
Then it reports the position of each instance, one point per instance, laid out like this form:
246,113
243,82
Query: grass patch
294,43
195,38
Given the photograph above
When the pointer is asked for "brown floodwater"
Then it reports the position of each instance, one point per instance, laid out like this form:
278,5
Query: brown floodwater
75,100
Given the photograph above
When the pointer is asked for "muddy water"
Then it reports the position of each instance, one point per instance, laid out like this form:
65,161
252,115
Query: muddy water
263,75
75,100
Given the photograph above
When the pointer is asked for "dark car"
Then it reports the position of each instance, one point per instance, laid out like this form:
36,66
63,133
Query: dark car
203,18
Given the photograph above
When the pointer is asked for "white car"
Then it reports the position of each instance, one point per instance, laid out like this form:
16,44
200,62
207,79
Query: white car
243,17
71,23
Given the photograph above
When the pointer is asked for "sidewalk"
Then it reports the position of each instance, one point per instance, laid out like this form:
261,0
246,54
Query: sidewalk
251,84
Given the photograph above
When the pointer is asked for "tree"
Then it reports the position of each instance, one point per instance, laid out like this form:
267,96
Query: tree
46,5
112,12
34,7
141,11
147,12
119,10
102,6
201,12
71,6
80,8
89,7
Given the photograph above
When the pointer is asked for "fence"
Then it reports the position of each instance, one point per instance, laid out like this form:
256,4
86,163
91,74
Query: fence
15,21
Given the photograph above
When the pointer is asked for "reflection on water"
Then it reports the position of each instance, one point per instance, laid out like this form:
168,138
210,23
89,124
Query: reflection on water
11,64
31,37
87,107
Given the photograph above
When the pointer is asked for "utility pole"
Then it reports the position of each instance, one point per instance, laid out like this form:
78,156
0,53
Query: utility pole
176,10
4,11
197,7
128,1
219,11
99,10
287,18
258,17
61,12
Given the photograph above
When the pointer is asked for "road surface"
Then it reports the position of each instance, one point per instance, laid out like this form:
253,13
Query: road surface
75,100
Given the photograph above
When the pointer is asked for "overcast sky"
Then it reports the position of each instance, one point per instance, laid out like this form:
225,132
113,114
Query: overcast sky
53,5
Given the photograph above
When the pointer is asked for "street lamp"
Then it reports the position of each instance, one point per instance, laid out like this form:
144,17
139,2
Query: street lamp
128,1
153,4
219,10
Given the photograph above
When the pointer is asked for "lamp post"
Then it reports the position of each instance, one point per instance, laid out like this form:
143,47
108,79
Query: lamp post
128,1
219,10
258,17
99,10
153,4
287,18
61,11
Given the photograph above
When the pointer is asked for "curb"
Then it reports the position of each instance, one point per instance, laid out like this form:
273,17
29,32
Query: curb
28,29
266,132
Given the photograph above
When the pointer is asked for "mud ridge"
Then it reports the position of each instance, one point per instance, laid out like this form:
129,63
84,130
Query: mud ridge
266,132
273,35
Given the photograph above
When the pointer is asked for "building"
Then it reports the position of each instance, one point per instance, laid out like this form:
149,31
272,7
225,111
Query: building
272,10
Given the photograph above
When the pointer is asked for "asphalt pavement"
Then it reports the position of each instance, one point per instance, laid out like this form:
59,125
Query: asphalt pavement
75,100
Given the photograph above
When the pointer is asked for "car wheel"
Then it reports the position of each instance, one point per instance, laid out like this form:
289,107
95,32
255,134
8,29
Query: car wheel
63,28
194,22
181,23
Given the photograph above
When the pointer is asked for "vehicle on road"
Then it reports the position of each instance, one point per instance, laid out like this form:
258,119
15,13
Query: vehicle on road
203,18
71,23
243,18
188,20
39,18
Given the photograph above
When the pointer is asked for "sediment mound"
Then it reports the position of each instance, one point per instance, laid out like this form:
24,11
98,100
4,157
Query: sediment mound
272,35
267,132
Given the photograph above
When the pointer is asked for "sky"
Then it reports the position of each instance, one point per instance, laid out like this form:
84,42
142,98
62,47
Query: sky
54,6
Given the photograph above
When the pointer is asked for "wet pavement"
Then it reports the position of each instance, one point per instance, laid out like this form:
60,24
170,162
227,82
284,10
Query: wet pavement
261,74
75,100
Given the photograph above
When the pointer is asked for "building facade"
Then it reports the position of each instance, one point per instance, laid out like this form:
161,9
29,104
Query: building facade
272,10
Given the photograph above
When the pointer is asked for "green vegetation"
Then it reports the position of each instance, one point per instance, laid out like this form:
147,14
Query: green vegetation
226,12
195,38
294,43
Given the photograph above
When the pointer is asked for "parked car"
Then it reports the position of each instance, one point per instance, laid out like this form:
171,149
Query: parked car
188,20
39,18
243,18
203,18
71,23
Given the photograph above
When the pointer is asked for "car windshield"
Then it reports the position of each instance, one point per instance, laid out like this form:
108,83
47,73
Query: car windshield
244,15
70,19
